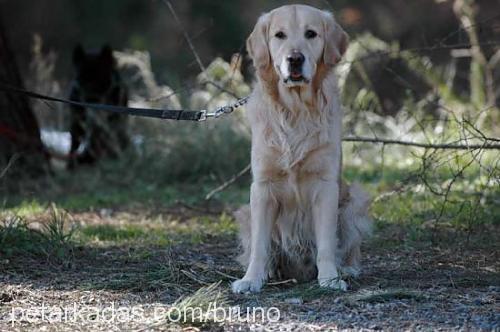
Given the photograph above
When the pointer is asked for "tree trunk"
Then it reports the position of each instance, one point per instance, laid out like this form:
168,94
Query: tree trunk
21,149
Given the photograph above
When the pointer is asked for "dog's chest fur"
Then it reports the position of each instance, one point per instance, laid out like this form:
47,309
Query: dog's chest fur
292,148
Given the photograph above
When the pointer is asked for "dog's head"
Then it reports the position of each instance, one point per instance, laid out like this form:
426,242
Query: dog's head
94,71
294,41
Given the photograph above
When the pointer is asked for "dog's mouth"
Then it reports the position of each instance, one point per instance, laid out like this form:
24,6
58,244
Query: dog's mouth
296,77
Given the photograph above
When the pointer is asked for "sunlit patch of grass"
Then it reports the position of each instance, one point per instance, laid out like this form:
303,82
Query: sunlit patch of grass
402,198
108,232
120,234
200,229
424,208
193,231
27,208
223,225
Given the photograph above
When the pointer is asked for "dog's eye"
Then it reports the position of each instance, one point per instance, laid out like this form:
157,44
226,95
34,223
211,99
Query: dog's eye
310,34
280,35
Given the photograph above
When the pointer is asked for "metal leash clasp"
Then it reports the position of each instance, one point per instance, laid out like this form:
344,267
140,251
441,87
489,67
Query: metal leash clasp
217,113
222,110
206,114
203,116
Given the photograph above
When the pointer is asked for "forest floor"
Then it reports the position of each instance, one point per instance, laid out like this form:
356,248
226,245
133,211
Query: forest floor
123,258
149,258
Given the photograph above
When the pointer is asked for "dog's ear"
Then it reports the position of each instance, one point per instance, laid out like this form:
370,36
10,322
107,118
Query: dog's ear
107,55
78,55
258,45
336,41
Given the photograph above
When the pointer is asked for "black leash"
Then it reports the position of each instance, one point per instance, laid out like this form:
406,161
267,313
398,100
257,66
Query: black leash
143,112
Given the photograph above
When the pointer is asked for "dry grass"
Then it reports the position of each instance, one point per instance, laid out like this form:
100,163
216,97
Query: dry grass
199,308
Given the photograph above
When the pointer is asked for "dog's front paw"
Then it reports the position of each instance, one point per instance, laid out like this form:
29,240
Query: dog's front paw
333,283
247,286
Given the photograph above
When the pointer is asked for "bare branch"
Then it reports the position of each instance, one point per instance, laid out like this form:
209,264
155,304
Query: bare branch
186,36
444,146
358,139
193,49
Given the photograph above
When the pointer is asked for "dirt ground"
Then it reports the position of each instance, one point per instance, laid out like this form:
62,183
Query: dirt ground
147,260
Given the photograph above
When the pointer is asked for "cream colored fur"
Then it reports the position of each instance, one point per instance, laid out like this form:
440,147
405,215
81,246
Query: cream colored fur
302,222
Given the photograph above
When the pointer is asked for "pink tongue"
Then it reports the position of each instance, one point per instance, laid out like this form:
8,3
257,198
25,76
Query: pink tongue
295,75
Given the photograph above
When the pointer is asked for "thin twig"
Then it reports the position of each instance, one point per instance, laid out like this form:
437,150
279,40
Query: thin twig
11,162
292,281
228,182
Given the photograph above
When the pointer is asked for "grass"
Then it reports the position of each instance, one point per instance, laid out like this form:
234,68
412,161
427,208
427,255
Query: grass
154,250
415,208
106,232
19,233
133,258
196,230
90,190
27,208
402,198
200,307
53,240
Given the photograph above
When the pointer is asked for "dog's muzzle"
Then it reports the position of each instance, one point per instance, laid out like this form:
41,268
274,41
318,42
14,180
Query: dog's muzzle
295,67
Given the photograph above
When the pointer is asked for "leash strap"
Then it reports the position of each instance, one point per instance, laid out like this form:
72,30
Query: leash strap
143,112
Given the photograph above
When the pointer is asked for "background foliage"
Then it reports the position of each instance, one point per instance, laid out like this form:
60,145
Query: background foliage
403,78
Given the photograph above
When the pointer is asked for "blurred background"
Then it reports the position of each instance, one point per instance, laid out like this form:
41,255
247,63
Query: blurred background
424,71
217,28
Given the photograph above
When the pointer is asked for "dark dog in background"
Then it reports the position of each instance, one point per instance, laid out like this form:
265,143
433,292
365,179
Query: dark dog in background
96,134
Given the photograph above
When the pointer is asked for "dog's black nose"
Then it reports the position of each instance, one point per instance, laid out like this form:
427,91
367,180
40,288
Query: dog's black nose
296,59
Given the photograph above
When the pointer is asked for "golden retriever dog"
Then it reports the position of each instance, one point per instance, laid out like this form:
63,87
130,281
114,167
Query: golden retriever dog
302,222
